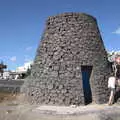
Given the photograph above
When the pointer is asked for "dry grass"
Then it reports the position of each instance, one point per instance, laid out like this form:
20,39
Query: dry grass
4,96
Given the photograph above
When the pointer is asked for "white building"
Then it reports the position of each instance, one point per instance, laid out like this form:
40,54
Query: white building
21,71
24,68
18,73
6,74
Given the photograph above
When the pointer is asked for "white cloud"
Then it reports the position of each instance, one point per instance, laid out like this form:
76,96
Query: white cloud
27,58
13,58
117,31
3,57
28,48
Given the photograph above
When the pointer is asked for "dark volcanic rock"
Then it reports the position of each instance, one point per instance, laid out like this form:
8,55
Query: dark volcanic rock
71,44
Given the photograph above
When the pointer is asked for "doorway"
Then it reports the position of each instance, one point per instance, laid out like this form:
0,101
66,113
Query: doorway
86,73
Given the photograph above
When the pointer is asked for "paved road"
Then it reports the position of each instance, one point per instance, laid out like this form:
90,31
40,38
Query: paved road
10,85
11,82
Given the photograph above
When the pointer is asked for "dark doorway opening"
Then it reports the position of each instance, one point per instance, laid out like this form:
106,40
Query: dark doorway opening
86,73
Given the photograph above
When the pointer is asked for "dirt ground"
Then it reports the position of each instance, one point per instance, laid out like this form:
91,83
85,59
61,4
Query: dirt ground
11,108
6,97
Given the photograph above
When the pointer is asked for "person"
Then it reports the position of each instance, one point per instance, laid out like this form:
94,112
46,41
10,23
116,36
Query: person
118,82
111,86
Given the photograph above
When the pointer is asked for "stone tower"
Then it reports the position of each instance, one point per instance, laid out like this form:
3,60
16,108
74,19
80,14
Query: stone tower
71,64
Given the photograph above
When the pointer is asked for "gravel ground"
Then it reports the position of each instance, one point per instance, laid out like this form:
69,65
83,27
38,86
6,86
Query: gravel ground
16,110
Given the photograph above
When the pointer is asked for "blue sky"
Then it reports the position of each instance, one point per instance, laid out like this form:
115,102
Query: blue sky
22,22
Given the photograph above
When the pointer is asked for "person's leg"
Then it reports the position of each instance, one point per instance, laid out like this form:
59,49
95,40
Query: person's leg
111,98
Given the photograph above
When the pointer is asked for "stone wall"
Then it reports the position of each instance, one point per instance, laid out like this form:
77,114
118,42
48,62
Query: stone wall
70,40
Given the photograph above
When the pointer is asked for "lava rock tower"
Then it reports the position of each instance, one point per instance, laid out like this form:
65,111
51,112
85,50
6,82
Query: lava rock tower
70,67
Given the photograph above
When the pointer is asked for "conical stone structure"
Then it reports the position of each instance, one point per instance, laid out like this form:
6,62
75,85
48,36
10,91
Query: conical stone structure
71,64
